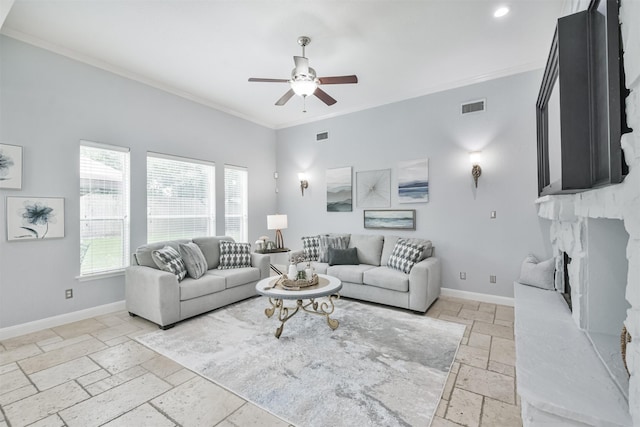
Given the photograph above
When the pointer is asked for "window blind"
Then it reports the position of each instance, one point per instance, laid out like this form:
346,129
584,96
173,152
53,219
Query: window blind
104,208
180,198
235,202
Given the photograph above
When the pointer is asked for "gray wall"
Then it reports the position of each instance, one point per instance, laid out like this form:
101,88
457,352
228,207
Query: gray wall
48,103
456,218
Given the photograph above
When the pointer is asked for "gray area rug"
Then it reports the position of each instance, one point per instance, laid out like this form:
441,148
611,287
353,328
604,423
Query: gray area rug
381,367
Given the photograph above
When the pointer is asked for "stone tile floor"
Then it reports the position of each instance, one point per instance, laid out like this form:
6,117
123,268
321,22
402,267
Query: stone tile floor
94,373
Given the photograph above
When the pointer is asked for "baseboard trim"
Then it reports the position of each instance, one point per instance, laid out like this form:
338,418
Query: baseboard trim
51,322
492,299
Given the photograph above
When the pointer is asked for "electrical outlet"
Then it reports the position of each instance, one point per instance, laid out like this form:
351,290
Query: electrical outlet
463,275
492,279
493,214
68,293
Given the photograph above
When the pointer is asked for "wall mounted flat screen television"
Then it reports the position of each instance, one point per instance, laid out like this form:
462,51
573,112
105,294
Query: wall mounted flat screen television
580,108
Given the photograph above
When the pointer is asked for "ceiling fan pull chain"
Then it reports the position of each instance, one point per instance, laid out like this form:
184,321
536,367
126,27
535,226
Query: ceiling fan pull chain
304,100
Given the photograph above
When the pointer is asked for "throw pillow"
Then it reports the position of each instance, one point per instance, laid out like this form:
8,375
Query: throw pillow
234,255
168,259
311,247
326,242
538,274
193,259
343,256
404,256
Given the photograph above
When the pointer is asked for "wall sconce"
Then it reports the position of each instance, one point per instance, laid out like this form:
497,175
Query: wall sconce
476,171
303,182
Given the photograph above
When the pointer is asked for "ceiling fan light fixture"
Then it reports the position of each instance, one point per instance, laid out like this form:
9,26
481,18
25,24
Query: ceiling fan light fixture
304,87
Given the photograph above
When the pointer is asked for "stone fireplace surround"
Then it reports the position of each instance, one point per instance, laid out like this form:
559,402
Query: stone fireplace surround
581,223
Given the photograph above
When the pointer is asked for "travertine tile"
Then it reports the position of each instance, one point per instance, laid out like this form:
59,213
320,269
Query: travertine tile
118,340
15,395
486,383
64,342
448,386
473,356
60,355
455,367
93,377
12,380
251,416
31,338
19,353
496,413
182,376
62,373
41,405
115,402
501,368
8,368
441,422
471,305
162,366
493,330
487,307
453,319
503,351
476,315
504,313
82,327
184,403
115,380
504,323
451,306
110,320
480,340
464,341
123,356
51,421
143,415
112,332
441,410
49,341
464,408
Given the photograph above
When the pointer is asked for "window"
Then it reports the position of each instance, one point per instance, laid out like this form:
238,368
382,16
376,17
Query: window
235,202
104,208
180,198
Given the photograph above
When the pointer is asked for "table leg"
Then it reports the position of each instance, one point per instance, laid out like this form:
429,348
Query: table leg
324,308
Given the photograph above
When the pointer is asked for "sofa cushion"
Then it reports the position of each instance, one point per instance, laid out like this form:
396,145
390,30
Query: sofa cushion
390,244
194,259
369,247
205,285
168,259
143,253
234,255
320,267
387,278
349,273
237,276
326,242
405,255
343,256
311,247
210,247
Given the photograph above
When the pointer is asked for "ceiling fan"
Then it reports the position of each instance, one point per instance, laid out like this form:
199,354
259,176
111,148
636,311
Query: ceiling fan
304,81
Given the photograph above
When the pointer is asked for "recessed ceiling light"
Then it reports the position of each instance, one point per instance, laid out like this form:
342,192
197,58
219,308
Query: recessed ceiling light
501,11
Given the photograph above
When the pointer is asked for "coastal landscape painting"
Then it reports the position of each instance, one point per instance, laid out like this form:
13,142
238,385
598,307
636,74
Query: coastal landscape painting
404,219
339,190
413,181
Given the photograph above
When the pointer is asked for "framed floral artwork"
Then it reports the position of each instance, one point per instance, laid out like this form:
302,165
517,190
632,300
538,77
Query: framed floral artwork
10,167
35,218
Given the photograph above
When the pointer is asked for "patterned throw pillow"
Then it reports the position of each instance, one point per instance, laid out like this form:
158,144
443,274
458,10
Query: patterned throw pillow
311,247
193,259
168,259
404,255
326,242
234,255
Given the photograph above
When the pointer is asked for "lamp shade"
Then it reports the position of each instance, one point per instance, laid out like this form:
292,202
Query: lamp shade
276,222
475,158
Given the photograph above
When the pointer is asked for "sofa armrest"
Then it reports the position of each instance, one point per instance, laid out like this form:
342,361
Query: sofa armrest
424,284
262,262
152,294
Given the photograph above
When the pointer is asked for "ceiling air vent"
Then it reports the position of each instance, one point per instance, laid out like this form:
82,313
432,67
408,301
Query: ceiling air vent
322,136
473,106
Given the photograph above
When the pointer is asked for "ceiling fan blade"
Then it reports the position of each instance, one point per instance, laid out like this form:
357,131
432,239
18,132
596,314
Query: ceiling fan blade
302,64
254,79
287,96
338,80
324,97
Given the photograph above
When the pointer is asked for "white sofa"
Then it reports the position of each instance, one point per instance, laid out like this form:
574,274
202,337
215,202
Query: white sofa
157,295
372,280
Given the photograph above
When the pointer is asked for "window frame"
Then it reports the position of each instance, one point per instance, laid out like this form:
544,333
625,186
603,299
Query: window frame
244,237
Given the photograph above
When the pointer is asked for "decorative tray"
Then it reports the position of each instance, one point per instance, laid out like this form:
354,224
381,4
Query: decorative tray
296,285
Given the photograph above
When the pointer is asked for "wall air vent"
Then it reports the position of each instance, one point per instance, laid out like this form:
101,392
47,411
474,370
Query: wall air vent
322,136
473,106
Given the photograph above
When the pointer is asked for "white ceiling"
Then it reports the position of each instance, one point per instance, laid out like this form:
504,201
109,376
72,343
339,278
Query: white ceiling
206,50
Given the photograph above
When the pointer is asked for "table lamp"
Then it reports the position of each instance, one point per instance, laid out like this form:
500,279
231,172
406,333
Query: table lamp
277,222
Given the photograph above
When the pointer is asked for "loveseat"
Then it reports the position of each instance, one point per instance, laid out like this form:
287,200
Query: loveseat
362,263
165,299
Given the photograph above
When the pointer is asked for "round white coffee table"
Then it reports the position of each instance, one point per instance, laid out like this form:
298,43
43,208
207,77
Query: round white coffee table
328,286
